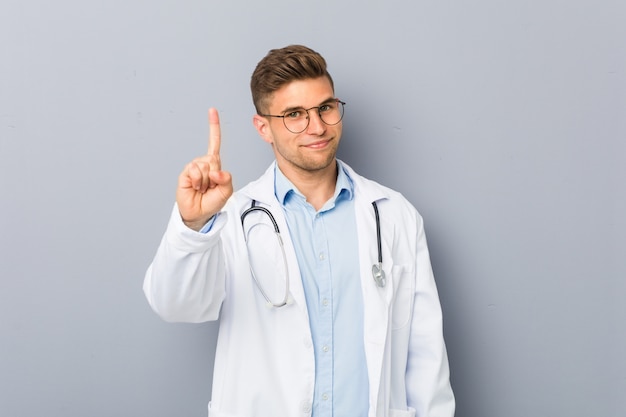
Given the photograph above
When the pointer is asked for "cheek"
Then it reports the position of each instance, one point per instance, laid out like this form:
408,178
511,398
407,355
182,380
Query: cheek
338,130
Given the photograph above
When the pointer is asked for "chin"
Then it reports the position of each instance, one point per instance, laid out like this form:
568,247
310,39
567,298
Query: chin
319,165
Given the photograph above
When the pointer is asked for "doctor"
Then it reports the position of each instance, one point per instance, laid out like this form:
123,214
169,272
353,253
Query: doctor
321,278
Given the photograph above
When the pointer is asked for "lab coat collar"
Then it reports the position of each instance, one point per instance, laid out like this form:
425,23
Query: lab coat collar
262,190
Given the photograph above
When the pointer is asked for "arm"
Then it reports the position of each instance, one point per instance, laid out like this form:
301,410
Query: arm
428,374
185,281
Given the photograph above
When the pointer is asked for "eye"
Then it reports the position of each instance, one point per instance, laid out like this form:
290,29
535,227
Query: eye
325,108
295,114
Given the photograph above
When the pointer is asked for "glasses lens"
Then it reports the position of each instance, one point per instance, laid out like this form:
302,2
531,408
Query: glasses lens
331,113
296,120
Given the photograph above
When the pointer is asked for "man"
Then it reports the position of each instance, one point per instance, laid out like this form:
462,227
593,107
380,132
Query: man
321,278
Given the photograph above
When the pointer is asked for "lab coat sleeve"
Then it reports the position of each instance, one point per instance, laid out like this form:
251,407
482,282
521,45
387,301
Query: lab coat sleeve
428,374
186,280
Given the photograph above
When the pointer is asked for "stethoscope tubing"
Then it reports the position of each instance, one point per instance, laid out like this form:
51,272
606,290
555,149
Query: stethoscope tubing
377,269
270,303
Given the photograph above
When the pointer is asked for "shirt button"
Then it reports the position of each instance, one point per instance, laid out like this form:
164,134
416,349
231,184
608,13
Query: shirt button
324,397
325,348
322,257
325,302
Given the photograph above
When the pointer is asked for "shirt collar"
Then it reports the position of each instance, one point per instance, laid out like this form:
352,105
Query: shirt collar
283,187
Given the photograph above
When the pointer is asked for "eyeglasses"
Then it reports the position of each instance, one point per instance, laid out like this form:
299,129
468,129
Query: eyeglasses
297,120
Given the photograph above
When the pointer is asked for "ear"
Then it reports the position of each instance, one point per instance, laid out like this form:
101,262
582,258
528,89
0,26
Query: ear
262,126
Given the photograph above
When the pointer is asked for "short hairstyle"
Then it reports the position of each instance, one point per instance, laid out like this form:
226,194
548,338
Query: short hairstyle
282,66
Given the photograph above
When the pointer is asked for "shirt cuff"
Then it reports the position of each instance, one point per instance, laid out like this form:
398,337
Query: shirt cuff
209,225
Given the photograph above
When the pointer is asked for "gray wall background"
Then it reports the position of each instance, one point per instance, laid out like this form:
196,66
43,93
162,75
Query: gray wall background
503,122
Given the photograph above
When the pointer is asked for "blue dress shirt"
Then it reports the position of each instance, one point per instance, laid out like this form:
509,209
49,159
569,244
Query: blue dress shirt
326,246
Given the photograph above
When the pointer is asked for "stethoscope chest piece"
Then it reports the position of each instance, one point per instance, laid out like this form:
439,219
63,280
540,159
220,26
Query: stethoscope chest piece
379,275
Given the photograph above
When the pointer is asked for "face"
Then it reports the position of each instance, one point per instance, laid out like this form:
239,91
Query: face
313,150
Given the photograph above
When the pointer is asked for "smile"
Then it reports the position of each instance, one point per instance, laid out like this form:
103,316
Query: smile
318,145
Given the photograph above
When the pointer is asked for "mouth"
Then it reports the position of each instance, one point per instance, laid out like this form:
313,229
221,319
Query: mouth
320,144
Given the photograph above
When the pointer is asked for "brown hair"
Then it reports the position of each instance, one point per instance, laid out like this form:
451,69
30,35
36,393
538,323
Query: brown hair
282,66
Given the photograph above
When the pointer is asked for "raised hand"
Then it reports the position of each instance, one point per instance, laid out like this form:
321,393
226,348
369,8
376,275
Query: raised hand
203,188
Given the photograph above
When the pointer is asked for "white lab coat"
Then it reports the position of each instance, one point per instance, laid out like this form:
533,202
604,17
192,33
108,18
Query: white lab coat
264,365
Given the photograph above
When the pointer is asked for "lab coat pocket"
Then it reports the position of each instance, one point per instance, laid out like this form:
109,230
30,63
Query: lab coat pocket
404,290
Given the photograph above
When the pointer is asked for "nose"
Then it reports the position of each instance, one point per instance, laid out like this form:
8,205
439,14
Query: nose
316,125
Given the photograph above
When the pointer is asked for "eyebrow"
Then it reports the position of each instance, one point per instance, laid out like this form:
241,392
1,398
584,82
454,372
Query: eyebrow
289,109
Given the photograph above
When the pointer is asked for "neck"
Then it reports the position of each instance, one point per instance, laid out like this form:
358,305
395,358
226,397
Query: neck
317,187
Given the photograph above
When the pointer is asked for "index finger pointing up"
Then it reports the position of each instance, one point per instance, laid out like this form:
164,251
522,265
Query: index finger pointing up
214,132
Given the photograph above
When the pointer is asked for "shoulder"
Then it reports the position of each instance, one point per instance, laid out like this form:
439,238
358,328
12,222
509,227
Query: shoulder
370,190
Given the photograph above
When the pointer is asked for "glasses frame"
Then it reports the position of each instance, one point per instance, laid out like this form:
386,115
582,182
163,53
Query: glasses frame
308,118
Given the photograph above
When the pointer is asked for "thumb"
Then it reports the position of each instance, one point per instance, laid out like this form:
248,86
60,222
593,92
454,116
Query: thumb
220,177
223,183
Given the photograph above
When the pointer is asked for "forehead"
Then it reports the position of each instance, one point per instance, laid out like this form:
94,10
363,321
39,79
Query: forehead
302,93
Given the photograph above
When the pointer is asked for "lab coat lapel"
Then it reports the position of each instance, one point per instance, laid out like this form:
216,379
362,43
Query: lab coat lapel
376,300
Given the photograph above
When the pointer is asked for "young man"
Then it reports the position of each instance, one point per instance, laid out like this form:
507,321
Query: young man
321,278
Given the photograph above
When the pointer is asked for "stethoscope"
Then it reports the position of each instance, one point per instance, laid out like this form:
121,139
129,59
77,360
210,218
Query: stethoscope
377,268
